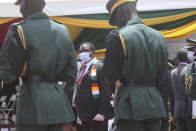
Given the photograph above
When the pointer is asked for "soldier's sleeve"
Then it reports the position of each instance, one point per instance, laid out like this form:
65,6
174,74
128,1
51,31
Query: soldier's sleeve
12,56
70,71
161,78
114,58
104,100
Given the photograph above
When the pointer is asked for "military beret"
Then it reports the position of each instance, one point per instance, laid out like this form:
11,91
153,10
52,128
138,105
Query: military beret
112,5
191,43
18,2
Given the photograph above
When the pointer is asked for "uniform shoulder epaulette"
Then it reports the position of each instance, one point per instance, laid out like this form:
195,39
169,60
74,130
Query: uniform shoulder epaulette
115,31
58,22
18,23
15,25
121,28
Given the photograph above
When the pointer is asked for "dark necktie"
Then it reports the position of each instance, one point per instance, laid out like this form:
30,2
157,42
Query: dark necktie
82,75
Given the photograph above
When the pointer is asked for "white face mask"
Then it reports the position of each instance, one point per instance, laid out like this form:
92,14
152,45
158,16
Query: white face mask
190,55
85,57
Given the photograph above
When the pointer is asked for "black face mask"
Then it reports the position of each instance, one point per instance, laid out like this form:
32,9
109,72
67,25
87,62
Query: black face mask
23,9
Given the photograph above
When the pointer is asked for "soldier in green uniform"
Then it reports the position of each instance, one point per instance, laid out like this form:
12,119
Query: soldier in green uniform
137,56
41,52
190,82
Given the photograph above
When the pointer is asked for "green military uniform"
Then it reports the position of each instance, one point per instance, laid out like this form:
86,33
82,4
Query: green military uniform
190,90
146,67
137,56
46,48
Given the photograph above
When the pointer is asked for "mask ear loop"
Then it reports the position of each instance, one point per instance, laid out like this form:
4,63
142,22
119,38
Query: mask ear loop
92,54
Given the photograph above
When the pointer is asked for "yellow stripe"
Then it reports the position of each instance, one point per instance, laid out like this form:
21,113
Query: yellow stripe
125,52
164,19
24,69
93,70
83,22
180,32
118,3
123,44
74,31
105,25
101,50
21,34
5,20
95,88
179,28
20,31
170,64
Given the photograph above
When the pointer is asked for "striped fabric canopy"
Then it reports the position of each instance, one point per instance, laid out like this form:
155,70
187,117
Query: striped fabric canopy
87,20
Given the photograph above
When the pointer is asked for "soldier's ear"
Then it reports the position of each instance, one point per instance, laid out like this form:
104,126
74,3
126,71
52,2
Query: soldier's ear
118,13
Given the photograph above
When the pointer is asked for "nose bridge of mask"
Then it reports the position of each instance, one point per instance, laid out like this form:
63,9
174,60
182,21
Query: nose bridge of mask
84,54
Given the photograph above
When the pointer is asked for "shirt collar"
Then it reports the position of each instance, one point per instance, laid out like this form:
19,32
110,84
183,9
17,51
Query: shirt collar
37,15
183,63
89,63
135,21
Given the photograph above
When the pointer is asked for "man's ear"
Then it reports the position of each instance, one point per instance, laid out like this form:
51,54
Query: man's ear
44,4
92,54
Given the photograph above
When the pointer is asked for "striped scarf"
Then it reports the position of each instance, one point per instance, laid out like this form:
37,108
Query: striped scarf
94,84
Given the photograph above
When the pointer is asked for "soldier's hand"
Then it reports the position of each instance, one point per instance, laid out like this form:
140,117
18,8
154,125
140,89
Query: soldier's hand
79,121
99,117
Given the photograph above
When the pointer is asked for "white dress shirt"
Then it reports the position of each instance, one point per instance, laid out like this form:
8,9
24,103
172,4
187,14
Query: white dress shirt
88,65
183,63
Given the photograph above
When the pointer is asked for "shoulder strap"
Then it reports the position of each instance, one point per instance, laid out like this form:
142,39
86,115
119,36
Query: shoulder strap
188,69
125,53
188,78
21,35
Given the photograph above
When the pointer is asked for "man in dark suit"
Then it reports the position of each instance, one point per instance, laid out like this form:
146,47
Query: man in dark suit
91,101
178,90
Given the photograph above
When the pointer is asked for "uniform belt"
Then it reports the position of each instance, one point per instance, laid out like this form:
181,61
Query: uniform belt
132,83
34,79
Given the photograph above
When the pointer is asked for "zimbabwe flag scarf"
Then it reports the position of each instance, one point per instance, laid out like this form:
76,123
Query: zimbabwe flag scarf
94,84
